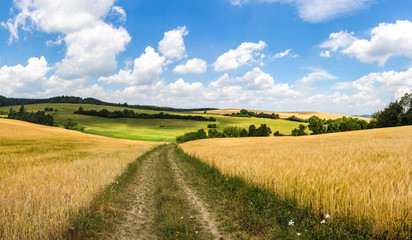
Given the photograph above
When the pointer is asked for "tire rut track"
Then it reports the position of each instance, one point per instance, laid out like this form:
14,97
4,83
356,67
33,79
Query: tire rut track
138,218
207,220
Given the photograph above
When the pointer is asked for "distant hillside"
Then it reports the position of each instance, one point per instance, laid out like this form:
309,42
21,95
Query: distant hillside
4,101
303,115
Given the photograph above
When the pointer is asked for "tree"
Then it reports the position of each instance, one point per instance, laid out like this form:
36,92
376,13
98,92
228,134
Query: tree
244,112
213,133
300,131
406,103
316,125
252,130
264,130
391,116
22,111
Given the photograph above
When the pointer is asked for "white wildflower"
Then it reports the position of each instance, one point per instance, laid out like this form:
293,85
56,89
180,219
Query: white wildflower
323,221
291,223
298,234
327,215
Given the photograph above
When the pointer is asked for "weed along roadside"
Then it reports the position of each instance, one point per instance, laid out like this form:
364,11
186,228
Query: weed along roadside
166,194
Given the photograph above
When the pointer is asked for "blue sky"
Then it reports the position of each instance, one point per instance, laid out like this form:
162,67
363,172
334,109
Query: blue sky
343,56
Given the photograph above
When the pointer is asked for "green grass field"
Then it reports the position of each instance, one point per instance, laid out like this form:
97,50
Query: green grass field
147,129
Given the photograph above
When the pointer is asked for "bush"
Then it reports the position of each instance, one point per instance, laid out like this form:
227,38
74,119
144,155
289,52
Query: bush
213,125
278,134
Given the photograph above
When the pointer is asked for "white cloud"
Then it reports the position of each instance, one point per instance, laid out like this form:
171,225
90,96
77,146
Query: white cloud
92,51
147,70
181,88
116,10
172,45
92,44
387,40
317,10
247,52
256,81
317,75
18,80
325,54
57,15
338,40
394,82
284,54
195,66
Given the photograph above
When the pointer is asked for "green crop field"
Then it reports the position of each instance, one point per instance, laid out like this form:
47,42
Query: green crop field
147,129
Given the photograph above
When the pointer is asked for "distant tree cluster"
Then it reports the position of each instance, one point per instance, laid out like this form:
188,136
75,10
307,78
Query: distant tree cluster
398,113
246,113
212,125
39,117
131,114
73,125
228,132
77,100
49,109
296,119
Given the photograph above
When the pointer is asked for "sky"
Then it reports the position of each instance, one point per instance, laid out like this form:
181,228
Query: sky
341,56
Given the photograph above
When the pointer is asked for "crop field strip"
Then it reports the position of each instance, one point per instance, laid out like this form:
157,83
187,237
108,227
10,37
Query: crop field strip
47,174
302,115
363,175
147,129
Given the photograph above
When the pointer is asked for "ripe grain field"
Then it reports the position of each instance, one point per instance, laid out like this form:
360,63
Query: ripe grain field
364,175
47,174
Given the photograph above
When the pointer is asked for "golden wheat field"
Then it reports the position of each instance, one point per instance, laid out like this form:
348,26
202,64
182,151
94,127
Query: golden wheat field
302,115
363,174
47,174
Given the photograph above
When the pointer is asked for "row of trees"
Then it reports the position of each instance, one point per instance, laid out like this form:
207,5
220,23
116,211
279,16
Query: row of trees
319,126
39,117
233,132
4,101
246,113
131,114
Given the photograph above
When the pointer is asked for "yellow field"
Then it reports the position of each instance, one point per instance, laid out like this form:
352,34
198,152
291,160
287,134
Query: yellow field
363,174
303,115
47,174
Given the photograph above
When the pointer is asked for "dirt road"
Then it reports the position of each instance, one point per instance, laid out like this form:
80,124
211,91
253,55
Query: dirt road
159,204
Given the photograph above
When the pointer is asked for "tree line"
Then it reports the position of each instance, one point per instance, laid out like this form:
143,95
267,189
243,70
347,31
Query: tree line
39,117
228,132
132,114
246,113
4,101
398,113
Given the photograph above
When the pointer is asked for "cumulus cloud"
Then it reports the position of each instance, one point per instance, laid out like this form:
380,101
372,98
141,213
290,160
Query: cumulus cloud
338,40
57,16
255,81
317,10
92,51
246,53
28,79
182,88
194,66
92,44
396,82
317,75
172,45
147,70
387,40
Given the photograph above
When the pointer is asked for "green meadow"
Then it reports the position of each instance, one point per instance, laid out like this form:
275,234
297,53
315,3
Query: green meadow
164,130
